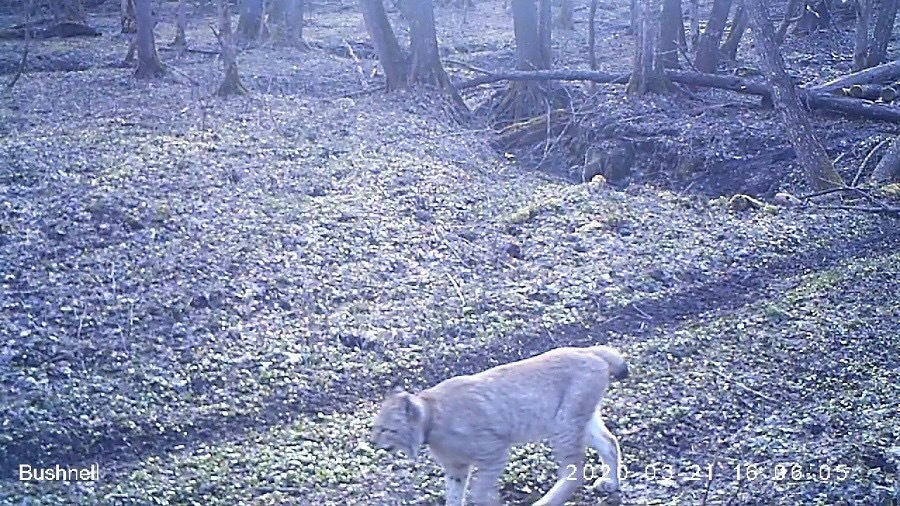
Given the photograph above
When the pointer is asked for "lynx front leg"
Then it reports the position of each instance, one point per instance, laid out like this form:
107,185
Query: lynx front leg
484,483
607,446
570,477
456,478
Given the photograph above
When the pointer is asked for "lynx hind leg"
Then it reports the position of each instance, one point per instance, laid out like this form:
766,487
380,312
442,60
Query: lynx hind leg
599,437
570,477
456,479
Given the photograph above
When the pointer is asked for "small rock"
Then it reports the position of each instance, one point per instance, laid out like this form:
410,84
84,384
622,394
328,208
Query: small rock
201,301
787,200
512,249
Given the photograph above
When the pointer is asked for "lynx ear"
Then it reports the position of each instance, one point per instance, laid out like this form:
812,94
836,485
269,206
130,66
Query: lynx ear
414,408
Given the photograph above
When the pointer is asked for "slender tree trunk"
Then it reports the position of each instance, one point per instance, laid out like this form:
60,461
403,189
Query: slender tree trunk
149,65
68,11
252,23
790,12
671,31
861,44
884,27
129,25
180,25
707,58
634,14
231,82
694,16
294,21
392,59
815,16
817,166
592,35
733,41
565,20
545,30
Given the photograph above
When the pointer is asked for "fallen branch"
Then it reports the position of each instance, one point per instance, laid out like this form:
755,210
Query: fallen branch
881,73
893,212
878,207
22,63
749,390
546,75
814,100
62,30
210,52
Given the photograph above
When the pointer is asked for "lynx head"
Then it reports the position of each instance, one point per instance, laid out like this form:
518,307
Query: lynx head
401,423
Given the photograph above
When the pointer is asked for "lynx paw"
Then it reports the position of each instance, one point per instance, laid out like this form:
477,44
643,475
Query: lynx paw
606,485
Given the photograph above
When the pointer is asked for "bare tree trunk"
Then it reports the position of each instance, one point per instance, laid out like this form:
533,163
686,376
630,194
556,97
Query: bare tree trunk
68,11
565,20
707,58
252,23
634,14
526,99
231,83
790,12
392,59
530,51
815,16
288,14
149,65
733,41
129,25
425,62
861,43
817,166
294,21
888,168
592,35
648,75
671,31
180,25
545,30
884,27
694,16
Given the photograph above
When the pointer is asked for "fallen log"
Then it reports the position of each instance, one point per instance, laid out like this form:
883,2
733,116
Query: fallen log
730,83
546,75
872,92
814,100
851,107
880,74
62,30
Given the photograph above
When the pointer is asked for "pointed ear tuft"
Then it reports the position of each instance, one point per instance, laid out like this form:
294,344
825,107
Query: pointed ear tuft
413,407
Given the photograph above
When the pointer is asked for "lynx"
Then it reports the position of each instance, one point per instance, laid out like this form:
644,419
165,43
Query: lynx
472,421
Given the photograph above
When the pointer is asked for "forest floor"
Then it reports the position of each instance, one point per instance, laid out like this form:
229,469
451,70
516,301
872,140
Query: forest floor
208,297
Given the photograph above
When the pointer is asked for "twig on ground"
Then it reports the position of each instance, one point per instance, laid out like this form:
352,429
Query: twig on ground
888,211
641,312
709,482
462,300
283,490
359,69
467,66
24,61
865,163
744,387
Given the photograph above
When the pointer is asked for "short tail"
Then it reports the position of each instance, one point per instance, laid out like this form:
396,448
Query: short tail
617,366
